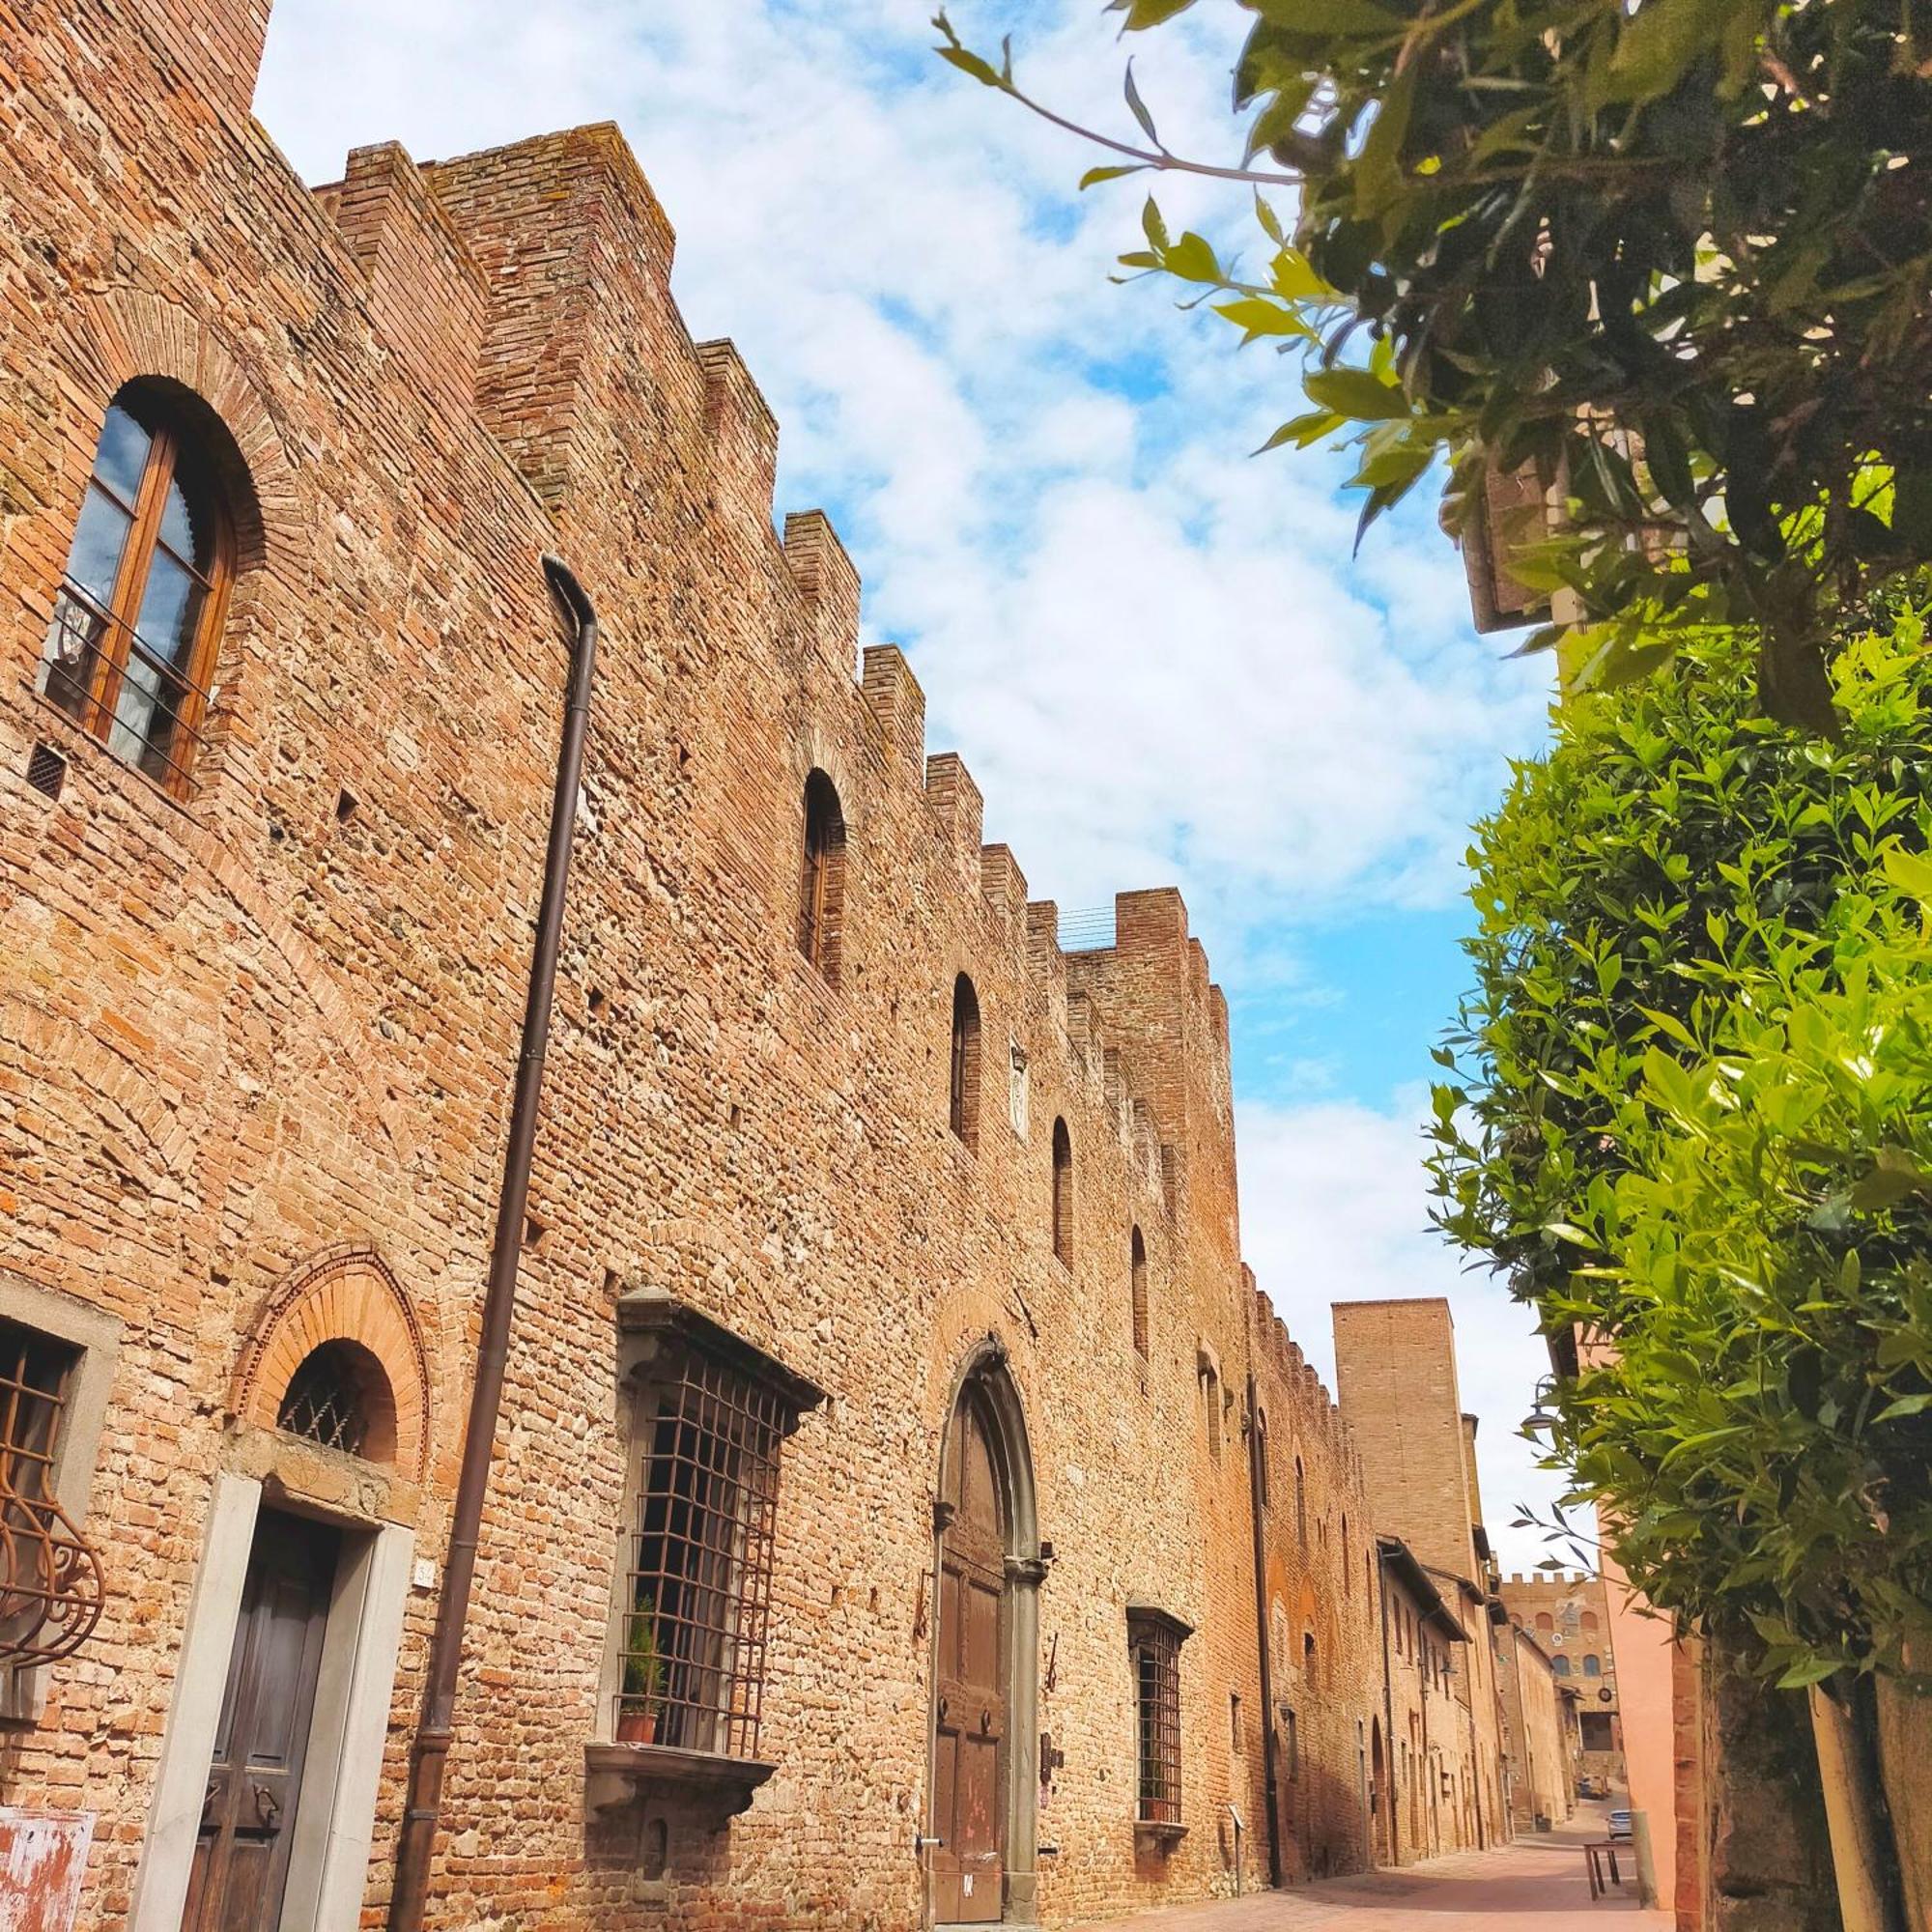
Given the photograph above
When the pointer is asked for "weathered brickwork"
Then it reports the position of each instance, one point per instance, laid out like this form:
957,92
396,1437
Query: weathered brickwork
1541,1743
1395,1372
258,1046
1568,1613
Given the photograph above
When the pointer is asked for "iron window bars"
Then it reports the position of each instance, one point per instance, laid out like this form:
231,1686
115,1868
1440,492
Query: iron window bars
51,1586
1154,1638
326,1400
710,1416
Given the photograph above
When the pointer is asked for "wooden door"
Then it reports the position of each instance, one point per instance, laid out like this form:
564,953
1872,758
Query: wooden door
969,1781
254,1782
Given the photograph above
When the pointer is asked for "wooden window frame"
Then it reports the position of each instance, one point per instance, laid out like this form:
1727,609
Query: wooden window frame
821,894
114,643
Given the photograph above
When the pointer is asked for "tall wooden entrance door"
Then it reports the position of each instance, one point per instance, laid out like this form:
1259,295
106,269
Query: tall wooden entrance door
241,1855
969,1717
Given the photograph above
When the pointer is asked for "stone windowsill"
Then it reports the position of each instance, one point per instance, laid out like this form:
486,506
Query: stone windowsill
616,1773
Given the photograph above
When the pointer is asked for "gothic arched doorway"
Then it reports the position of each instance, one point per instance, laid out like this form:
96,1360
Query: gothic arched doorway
1381,1798
982,1807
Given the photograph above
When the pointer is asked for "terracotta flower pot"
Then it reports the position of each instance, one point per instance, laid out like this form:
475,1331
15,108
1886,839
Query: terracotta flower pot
637,1727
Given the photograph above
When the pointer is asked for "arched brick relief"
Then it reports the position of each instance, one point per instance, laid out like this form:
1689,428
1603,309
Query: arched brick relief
121,1090
124,333
343,1294
815,750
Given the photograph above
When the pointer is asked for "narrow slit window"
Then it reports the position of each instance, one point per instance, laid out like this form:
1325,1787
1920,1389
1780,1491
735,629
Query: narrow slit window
130,651
821,895
1137,1265
963,1100
1063,1194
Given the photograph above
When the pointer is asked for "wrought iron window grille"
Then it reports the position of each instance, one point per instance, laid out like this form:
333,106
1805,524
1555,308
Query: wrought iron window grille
710,1414
51,1586
1154,1638
326,1400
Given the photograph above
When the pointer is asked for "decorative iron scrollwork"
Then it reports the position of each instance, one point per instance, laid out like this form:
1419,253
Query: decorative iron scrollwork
51,1582
51,1586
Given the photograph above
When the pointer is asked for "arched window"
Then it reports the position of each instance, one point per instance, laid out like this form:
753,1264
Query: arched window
1062,1193
964,1104
131,646
1308,1652
340,1397
1593,1664
1561,1665
1545,1624
821,892
1301,1505
1137,1265
1587,1622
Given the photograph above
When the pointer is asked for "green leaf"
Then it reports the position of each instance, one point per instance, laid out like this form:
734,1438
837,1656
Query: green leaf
1356,394
1905,1404
1193,260
1348,18
1093,177
1143,14
1304,430
1659,43
1138,107
1259,316
968,62
1809,1670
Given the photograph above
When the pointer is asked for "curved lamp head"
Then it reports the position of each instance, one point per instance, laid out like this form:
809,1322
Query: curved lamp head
1540,1421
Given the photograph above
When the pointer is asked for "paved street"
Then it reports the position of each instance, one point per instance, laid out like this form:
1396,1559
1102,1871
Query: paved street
1535,1886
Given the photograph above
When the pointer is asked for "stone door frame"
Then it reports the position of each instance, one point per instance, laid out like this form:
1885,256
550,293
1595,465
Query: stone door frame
335,1813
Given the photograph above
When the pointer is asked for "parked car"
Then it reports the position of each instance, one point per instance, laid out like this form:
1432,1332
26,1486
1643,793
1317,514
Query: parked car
1589,1785
1620,1824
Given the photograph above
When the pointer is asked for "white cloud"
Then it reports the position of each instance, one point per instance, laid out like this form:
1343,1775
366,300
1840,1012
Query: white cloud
1334,1208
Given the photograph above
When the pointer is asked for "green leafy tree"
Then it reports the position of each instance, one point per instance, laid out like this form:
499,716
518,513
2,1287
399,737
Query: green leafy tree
1676,256
1689,1114
1689,1111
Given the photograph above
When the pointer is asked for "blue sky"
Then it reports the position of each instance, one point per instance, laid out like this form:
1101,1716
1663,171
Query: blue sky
1157,655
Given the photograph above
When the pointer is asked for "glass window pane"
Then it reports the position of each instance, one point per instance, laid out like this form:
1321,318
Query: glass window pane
135,709
123,454
169,606
99,539
75,641
187,523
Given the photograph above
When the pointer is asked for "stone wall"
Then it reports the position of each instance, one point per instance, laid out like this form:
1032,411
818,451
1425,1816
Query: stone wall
259,1043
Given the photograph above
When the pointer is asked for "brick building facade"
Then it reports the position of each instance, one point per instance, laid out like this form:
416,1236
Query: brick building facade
1568,1613
895,1449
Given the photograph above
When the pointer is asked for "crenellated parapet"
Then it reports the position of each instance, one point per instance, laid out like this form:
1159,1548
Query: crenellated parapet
529,286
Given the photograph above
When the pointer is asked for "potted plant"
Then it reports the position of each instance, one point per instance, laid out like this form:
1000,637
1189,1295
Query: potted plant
643,1679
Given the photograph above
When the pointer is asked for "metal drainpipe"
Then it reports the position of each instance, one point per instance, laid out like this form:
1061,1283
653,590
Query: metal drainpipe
1257,1490
1388,1712
430,1755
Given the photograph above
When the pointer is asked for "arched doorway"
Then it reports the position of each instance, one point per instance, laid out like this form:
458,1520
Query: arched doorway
1381,1798
983,1790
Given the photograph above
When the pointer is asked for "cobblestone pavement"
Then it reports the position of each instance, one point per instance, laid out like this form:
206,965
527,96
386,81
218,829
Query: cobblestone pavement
1530,1886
